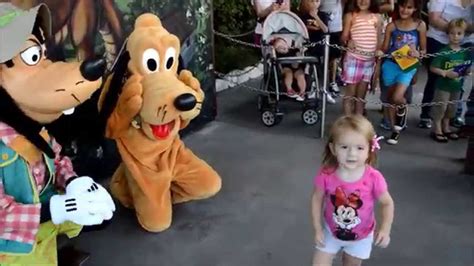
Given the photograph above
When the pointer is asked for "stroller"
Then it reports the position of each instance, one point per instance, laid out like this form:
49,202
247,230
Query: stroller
288,26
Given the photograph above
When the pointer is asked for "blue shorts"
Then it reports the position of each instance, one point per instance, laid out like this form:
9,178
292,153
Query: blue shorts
393,74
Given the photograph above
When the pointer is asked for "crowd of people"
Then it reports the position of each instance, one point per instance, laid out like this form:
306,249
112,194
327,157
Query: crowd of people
371,29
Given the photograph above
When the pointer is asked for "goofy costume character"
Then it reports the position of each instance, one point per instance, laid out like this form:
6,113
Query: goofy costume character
40,194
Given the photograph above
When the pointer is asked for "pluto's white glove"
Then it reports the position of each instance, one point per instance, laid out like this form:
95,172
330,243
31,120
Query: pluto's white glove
82,209
85,184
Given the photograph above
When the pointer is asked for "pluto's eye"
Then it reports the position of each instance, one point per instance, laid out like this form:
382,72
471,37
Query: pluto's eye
170,58
32,55
151,60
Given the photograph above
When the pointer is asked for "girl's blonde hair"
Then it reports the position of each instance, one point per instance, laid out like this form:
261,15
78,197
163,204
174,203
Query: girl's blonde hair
304,6
343,124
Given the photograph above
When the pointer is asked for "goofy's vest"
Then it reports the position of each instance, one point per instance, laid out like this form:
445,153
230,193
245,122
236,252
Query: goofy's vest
20,184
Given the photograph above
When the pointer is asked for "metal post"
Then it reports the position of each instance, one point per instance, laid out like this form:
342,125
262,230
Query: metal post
325,84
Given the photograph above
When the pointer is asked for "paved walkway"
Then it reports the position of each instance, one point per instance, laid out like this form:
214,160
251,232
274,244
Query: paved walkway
262,214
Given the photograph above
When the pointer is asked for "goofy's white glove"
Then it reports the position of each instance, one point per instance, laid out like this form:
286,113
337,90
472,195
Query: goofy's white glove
82,209
85,184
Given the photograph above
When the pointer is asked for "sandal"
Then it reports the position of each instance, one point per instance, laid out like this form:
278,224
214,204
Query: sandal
439,137
291,93
451,135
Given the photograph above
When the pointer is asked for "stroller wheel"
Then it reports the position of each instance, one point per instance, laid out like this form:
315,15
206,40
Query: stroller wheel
310,116
270,118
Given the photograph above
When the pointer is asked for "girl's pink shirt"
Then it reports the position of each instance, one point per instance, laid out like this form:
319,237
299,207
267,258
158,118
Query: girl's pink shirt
349,206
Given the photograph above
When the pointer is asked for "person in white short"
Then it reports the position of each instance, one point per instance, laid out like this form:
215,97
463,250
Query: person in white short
346,190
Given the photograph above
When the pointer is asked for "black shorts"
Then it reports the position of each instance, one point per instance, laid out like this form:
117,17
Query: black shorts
335,38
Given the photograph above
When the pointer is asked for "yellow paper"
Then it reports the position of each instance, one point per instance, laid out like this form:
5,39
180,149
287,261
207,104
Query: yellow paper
404,62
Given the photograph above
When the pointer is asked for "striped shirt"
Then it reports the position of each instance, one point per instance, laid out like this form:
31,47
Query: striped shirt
363,33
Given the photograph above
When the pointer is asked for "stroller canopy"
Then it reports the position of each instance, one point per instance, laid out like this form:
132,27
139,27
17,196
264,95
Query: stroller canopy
283,23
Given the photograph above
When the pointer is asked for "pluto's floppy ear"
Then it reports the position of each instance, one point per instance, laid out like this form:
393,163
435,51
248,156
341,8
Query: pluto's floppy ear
112,87
11,114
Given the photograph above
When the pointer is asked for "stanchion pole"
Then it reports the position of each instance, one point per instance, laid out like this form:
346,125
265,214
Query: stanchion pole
325,84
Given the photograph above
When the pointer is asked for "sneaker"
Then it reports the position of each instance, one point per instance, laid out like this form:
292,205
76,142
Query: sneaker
385,124
457,122
334,88
299,98
393,140
312,95
400,119
330,99
424,123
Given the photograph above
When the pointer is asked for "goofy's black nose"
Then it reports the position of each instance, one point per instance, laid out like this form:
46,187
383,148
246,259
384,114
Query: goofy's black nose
93,69
185,102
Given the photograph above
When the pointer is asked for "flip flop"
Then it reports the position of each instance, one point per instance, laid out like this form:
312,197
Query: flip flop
439,137
451,135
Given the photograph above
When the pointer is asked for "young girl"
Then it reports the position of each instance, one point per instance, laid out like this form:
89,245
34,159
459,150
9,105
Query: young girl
316,23
407,29
346,191
362,31
290,71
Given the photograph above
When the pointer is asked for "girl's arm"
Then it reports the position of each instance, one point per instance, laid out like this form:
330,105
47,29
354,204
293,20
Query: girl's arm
422,33
346,28
387,207
379,31
316,208
313,27
388,34
320,24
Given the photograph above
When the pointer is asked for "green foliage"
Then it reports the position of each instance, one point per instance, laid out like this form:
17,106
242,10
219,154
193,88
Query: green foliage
234,17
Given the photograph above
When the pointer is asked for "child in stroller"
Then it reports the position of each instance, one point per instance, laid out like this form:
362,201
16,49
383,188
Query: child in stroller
284,41
290,71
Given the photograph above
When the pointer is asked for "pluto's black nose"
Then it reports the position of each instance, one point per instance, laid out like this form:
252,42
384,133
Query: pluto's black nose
185,102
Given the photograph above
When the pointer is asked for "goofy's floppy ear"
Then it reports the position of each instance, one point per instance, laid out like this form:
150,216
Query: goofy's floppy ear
112,87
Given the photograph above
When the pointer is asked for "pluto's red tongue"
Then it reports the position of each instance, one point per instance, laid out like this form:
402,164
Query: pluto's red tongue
161,131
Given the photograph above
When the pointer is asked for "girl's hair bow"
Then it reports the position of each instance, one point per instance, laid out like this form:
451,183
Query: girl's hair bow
375,143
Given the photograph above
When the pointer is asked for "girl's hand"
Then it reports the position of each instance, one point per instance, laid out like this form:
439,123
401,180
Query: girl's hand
414,53
379,53
422,53
351,45
319,238
382,238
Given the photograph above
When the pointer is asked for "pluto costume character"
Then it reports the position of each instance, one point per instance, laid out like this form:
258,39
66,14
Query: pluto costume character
40,194
145,111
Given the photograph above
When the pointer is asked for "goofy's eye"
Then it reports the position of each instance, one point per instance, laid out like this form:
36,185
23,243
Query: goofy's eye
31,56
169,58
151,60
